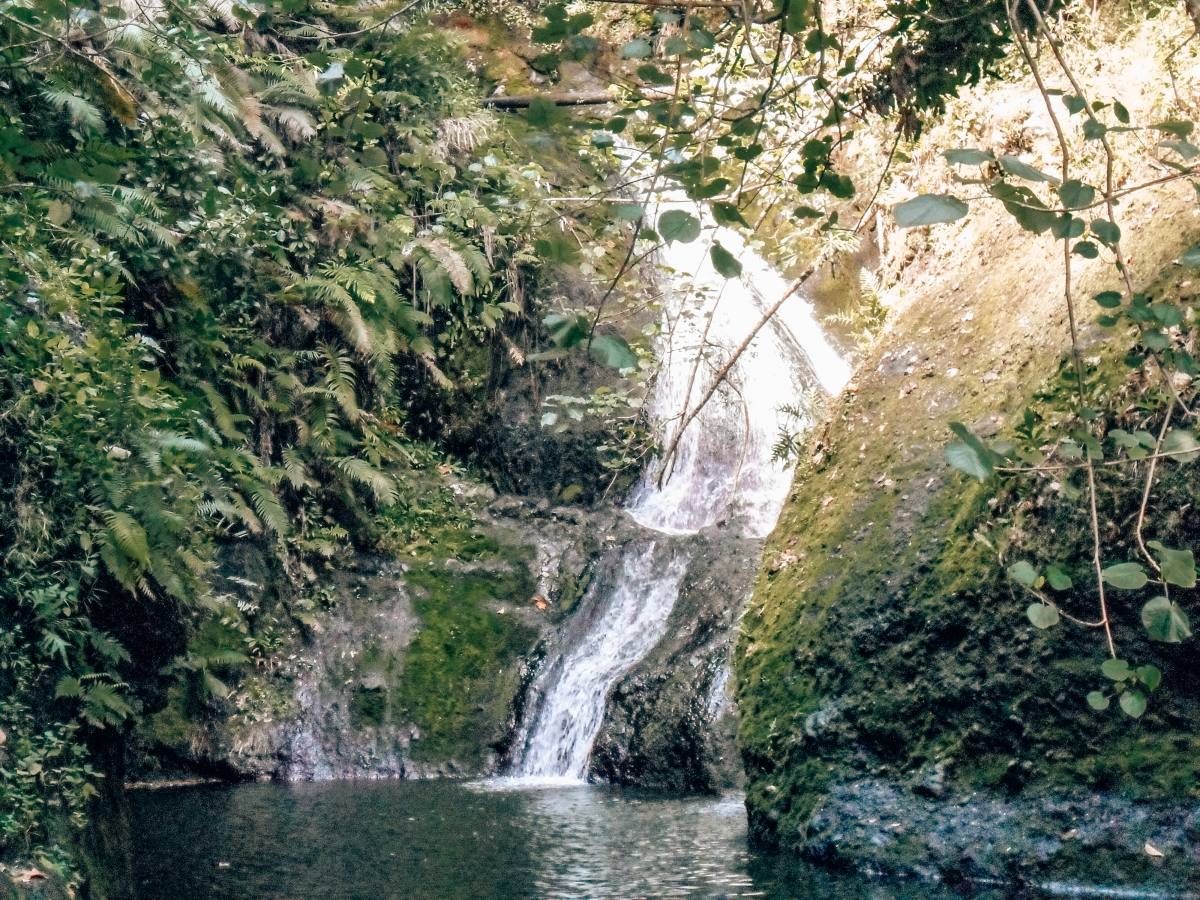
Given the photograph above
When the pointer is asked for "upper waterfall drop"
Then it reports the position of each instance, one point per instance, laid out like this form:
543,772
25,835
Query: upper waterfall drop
723,462
722,469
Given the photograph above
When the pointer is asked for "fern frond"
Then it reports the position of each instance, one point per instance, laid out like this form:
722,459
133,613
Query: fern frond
451,262
125,533
81,110
362,472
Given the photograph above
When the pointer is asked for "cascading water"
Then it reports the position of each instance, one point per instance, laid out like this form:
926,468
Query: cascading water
721,469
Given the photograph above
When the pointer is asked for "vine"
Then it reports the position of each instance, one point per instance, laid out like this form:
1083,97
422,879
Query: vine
1165,353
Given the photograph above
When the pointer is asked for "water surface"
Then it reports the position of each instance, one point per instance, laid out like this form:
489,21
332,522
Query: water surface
438,839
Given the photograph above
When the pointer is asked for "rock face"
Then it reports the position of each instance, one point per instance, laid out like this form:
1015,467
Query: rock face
404,669
670,722
898,712
879,825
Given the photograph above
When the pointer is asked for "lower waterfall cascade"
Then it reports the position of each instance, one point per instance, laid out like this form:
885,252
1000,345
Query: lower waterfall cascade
722,470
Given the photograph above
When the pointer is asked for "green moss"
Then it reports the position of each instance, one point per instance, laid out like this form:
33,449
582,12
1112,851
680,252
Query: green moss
174,725
883,635
368,707
460,671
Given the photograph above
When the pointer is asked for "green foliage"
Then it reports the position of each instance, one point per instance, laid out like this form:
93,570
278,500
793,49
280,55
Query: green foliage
929,209
678,225
238,252
1165,621
1161,358
725,262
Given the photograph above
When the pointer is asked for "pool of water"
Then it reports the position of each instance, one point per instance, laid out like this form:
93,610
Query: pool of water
434,839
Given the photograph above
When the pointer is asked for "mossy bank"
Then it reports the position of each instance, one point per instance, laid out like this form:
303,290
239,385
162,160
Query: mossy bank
898,711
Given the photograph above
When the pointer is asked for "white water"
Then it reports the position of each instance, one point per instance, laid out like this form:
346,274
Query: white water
722,470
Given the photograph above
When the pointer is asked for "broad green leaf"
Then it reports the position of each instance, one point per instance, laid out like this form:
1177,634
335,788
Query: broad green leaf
970,454
714,188
968,156
1106,231
1181,445
1116,669
567,329
1058,579
612,351
1150,676
1024,206
1042,615
965,458
1094,130
1178,127
1013,166
1133,703
1185,149
638,48
1076,194
1178,566
929,209
652,74
727,214
1023,573
700,38
725,262
628,212
1097,700
1068,226
1166,621
1127,576
678,225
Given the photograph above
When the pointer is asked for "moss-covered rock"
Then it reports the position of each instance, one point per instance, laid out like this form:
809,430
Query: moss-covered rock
886,673
405,666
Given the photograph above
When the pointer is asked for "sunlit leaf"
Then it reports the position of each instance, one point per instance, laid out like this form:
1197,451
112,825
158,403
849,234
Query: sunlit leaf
929,209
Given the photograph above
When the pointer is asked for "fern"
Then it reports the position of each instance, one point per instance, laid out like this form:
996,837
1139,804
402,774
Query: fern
450,261
81,110
124,533
270,511
362,472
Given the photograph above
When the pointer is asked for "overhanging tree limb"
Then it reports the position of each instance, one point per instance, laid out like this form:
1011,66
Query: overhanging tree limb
724,371
524,101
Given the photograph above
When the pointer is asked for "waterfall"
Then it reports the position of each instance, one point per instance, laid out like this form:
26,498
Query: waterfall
722,470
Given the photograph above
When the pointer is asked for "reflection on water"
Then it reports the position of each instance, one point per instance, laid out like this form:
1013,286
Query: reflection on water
371,840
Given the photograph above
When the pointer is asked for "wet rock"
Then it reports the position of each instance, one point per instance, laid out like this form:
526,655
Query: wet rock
327,711
873,824
670,722
931,781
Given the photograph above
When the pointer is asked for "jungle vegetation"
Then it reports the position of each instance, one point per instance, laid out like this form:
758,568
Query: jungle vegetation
251,251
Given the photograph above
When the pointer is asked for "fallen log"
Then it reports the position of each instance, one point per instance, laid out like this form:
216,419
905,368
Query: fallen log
594,98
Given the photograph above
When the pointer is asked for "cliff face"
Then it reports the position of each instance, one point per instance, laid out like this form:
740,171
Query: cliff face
898,712
407,667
